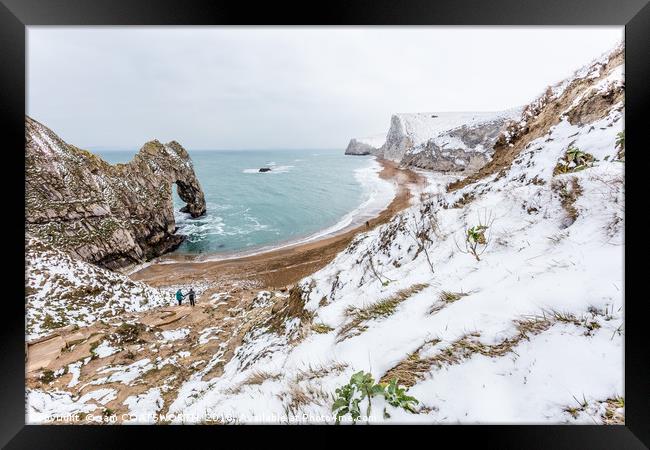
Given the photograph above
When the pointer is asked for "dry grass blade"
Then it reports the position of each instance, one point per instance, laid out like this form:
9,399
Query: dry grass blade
377,310
414,368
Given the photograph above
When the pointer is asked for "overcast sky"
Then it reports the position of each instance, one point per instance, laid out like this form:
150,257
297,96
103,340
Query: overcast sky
257,88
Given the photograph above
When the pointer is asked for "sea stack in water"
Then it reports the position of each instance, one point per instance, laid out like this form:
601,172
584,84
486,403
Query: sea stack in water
110,215
365,146
265,169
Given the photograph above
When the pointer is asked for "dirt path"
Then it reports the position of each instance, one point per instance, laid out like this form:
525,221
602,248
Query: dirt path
279,268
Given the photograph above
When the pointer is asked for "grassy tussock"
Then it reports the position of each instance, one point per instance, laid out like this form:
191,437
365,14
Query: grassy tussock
446,298
316,372
613,415
378,310
614,410
321,328
256,378
568,191
259,377
299,396
414,368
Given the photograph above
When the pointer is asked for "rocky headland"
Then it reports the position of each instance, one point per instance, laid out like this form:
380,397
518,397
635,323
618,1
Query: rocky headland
110,215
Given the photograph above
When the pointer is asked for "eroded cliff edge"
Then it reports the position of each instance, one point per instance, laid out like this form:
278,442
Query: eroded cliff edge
110,215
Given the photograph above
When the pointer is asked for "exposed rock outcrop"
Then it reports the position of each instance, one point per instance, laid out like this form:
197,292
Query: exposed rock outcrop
359,148
453,141
466,148
365,146
110,215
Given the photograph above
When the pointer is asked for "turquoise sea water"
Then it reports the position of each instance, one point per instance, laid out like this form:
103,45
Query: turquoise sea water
307,191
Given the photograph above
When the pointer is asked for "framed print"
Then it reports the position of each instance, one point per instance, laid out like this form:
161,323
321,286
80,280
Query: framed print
381,214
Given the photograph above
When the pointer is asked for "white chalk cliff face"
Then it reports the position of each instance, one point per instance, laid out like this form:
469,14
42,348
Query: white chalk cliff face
449,141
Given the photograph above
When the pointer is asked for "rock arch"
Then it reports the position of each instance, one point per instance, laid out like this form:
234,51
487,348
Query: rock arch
110,215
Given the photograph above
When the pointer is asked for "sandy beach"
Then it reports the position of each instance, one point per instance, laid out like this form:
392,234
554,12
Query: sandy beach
277,268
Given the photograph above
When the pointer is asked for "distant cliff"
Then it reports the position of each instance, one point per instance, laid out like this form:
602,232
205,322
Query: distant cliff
365,146
452,141
110,215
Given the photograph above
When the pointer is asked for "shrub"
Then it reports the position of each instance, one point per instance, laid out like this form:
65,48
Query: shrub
362,386
47,376
476,242
574,160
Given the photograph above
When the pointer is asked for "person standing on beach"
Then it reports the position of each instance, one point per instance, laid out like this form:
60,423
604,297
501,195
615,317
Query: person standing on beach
191,294
179,297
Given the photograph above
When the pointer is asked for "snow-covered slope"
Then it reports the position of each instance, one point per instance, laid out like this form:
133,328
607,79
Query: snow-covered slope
529,330
65,291
494,298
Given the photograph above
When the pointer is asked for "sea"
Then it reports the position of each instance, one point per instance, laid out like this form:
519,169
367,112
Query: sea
308,194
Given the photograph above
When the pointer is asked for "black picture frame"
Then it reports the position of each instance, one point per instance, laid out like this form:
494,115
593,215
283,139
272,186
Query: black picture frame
15,15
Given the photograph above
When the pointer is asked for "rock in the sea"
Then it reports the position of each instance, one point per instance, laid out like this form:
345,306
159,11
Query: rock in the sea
365,146
265,169
110,215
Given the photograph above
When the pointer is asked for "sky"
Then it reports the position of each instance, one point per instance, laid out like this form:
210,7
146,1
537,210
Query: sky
277,87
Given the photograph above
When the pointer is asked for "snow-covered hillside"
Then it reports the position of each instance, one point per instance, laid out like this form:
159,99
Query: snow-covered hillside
528,330
493,298
64,291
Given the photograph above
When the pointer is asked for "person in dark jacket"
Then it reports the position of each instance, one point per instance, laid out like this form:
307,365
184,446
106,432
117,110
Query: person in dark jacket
191,294
179,297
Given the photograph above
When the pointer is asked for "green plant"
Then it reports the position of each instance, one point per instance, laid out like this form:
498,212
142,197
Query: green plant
574,160
620,139
47,376
396,396
474,238
362,386
477,234
620,144
476,242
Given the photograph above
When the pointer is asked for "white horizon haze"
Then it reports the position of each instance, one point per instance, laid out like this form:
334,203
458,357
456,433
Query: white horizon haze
306,88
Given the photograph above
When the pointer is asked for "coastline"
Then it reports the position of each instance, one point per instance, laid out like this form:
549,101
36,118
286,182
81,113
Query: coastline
282,264
381,192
